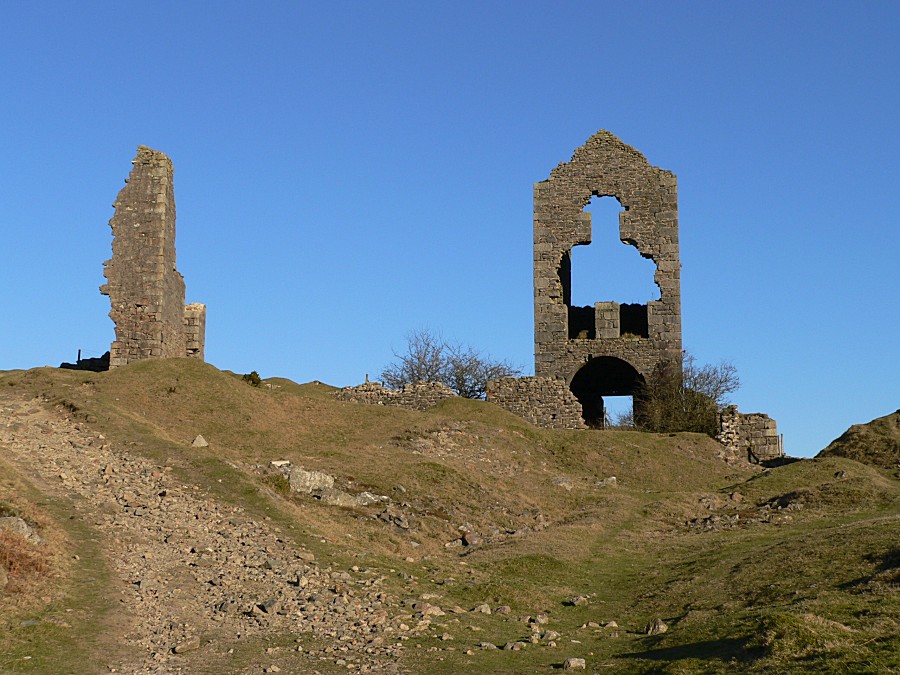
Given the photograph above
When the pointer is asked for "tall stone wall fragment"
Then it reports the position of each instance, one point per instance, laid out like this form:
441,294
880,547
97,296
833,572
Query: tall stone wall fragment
145,290
195,330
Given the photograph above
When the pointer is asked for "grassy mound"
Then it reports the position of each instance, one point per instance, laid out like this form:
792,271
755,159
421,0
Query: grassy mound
779,570
876,443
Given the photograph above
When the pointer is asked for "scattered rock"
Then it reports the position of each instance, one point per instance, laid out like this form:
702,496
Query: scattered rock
20,527
564,482
269,606
366,498
503,609
515,646
606,482
472,539
306,482
656,627
483,608
334,497
574,664
199,442
579,600
188,645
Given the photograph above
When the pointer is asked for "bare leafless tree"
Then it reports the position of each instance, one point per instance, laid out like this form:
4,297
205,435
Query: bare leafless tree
687,401
423,361
430,358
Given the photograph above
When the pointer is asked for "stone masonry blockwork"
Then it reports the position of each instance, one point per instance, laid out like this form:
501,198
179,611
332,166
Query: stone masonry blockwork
415,396
146,292
605,166
750,436
543,401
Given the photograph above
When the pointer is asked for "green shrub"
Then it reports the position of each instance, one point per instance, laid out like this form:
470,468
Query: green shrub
252,378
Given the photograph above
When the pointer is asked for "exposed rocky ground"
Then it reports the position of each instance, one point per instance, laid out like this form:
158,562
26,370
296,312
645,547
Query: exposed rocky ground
192,572
311,535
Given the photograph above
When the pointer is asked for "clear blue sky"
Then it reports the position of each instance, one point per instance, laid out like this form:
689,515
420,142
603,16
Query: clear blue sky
348,171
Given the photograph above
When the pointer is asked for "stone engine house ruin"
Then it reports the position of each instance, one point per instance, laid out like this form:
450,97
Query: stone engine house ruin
145,289
608,349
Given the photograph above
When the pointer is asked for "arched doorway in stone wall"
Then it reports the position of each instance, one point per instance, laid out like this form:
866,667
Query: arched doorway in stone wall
603,376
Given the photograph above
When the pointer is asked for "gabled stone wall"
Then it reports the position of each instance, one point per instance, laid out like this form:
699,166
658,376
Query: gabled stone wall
604,166
145,290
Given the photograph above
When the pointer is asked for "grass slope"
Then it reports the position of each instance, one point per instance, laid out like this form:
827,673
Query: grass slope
790,569
877,442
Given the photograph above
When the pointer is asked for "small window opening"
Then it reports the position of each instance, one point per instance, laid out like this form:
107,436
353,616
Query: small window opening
633,321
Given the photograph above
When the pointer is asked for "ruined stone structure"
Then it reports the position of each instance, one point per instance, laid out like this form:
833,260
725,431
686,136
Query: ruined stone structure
145,290
609,349
750,436
543,401
418,396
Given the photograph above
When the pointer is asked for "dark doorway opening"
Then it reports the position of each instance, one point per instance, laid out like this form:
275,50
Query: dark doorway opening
604,376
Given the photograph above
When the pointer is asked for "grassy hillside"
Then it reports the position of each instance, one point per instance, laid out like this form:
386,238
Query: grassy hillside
782,570
877,442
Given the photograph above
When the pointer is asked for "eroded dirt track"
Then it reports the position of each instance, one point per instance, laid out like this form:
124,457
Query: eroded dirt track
194,576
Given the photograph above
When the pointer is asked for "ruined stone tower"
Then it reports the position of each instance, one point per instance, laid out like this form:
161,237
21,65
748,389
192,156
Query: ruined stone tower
145,290
608,349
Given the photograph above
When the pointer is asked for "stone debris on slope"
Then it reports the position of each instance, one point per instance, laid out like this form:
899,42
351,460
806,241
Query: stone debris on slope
195,572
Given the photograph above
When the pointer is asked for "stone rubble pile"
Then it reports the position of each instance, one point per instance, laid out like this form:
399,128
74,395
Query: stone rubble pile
418,396
194,571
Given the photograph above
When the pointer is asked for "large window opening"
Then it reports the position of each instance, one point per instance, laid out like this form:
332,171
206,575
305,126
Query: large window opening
607,269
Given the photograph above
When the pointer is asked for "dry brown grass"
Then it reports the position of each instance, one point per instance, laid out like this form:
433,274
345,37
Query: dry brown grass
823,582
25,562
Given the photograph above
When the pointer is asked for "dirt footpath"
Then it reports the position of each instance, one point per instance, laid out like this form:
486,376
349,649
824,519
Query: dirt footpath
194,575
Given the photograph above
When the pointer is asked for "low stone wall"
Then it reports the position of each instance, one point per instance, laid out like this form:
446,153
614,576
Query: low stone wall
752,436
418,396
543,401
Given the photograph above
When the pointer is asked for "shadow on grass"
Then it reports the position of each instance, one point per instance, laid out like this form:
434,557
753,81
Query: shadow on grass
887,565
723,649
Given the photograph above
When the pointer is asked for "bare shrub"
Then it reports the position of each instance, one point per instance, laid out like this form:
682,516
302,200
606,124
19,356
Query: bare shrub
430,358
689,400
